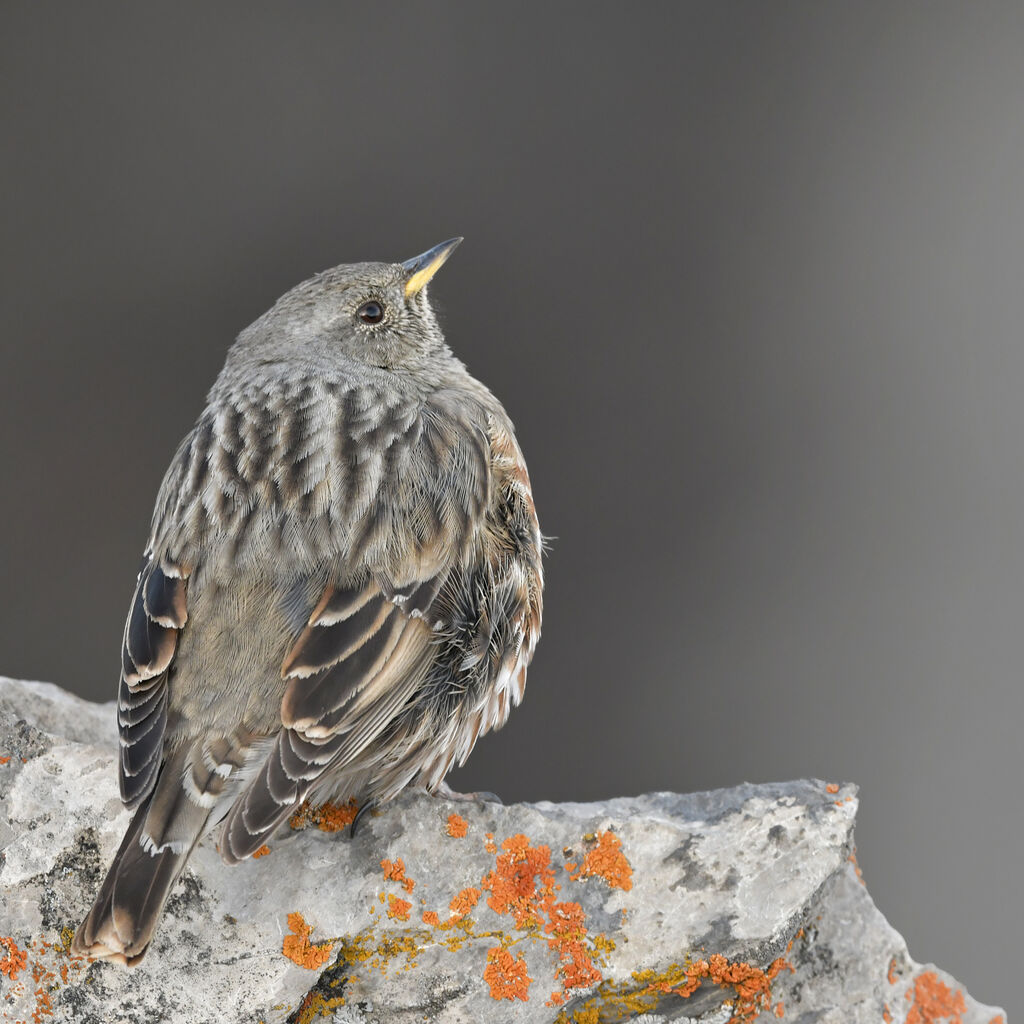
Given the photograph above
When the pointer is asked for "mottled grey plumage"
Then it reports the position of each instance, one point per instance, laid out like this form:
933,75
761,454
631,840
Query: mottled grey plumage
341,590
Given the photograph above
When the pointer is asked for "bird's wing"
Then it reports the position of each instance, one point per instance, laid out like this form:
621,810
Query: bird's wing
350,672
158,614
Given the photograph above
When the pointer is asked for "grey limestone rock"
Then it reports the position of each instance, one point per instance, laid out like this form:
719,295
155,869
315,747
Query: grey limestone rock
664,907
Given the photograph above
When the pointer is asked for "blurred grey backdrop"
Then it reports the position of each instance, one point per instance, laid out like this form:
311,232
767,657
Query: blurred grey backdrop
748,278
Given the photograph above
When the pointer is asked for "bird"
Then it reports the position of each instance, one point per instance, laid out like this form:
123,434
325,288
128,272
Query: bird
341,590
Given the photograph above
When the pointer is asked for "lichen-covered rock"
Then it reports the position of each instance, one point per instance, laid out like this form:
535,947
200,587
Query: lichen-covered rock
711,906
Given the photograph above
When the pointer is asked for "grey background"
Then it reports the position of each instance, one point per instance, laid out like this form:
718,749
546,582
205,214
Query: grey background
749,280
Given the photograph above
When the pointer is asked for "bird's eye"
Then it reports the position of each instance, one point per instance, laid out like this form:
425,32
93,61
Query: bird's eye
371,312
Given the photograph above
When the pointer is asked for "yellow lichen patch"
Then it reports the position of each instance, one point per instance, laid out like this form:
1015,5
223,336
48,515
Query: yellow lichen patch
327,817
398,908
457,826
364,951
262,851
316,1006
506,975
299,949
935,1001
605,860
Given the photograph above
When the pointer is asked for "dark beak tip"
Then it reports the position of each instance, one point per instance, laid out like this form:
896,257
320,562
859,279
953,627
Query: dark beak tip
443,249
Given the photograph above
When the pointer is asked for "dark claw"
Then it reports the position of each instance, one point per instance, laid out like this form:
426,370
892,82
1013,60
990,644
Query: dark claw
368,806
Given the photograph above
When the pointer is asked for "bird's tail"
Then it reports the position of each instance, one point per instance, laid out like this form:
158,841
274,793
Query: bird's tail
160,838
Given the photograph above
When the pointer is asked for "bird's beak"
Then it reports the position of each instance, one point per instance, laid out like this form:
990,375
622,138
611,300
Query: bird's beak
420,269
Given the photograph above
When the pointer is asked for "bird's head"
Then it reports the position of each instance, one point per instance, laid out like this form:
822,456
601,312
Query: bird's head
369,314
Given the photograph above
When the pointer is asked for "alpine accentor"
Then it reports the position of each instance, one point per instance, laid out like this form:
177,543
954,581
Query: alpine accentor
341,590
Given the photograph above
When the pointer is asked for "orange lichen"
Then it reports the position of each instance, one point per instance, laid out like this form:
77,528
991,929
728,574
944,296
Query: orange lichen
568,935
892,976
464,902
15,960
300,950
489,843
522,885
607,861
457,826
43,960
933,1001
831,788
997,1019
886,1015
856,867
749,995
43,1007
262,851
751,985
398,908
521,879
506,975
4,760
779,1010
394,871
327,817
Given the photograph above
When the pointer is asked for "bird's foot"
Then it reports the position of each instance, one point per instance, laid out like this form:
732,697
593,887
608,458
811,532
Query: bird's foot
445,792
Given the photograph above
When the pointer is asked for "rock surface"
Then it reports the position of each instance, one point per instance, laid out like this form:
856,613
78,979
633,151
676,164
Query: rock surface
655,908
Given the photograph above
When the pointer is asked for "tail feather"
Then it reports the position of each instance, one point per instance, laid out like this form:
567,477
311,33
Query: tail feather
158,842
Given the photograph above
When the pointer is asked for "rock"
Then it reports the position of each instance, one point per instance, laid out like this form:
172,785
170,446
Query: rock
654,908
